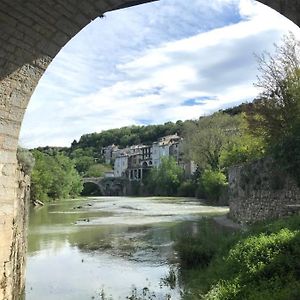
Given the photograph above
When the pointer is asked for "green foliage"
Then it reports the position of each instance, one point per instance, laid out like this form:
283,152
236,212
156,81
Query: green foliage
213,184
54,177
275,116
26,160
187,189
83,164
261,266
165,180
261,263
206,139
127,136
243,148
97,170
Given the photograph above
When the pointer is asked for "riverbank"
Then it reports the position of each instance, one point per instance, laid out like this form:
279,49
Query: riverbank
260,263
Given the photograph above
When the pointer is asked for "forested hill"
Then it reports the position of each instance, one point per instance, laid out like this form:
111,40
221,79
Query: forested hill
127,136
92,143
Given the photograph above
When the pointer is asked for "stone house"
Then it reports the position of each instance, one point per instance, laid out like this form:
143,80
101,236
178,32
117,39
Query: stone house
121,165
134,162
108,153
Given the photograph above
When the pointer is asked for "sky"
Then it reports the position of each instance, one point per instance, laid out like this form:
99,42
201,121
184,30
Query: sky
164,61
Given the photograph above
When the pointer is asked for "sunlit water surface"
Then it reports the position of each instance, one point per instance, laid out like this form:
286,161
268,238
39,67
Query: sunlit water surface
79,249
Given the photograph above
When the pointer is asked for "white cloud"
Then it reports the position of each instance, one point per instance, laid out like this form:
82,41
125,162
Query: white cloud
152,76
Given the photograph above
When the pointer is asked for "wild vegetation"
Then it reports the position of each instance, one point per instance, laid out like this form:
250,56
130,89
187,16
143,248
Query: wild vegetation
264,261
54,177
165,179
276,113
261,263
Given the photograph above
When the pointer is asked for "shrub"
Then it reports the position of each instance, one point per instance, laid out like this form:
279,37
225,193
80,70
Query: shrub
25,160
213,183
187,189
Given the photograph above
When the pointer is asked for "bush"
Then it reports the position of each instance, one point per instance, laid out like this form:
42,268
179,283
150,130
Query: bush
54,177
187,189
213,184
25,160
261,263
260,267
165,179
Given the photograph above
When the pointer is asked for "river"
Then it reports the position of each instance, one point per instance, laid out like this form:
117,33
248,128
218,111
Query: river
108,247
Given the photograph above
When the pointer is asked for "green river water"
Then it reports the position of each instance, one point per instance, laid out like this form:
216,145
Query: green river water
78,249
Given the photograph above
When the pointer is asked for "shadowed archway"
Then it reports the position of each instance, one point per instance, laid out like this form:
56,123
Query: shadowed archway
32,33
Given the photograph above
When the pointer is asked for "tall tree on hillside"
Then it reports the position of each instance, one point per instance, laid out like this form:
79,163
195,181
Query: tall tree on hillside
276,114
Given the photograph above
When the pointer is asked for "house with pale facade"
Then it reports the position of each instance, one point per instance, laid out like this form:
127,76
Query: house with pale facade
121,165
135,161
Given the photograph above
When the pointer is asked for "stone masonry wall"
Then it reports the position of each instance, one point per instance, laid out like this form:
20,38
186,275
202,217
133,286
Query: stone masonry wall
261,191
12,282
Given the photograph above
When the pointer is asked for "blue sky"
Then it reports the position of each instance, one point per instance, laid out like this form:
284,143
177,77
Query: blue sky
149,64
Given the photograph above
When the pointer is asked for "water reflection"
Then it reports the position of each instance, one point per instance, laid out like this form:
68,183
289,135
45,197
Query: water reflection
77,248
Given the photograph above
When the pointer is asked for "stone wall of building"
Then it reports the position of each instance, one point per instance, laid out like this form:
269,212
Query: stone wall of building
14,240
260,191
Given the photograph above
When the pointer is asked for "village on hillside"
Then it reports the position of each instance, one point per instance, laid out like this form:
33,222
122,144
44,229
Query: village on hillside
135,161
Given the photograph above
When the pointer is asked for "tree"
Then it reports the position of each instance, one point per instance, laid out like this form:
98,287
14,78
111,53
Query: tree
275,115
276,112
213,184
165,179
54,177
97,170
206,139
243,147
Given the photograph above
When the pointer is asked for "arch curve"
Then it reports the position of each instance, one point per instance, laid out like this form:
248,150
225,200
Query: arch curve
31,34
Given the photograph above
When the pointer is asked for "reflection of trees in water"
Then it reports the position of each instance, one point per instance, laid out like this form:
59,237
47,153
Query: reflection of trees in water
141,244
147,244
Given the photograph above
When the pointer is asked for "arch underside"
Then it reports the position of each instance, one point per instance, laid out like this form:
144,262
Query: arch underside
32,32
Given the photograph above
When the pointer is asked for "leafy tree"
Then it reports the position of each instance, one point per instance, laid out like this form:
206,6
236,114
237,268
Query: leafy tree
243,147
213,184
83,164
165,179
275,115
97,170
206,139
54,177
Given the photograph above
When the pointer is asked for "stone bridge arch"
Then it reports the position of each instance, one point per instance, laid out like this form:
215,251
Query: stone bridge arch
108,186
32,32
95,181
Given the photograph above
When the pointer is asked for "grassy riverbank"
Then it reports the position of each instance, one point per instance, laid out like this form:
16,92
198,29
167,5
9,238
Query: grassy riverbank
260,263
